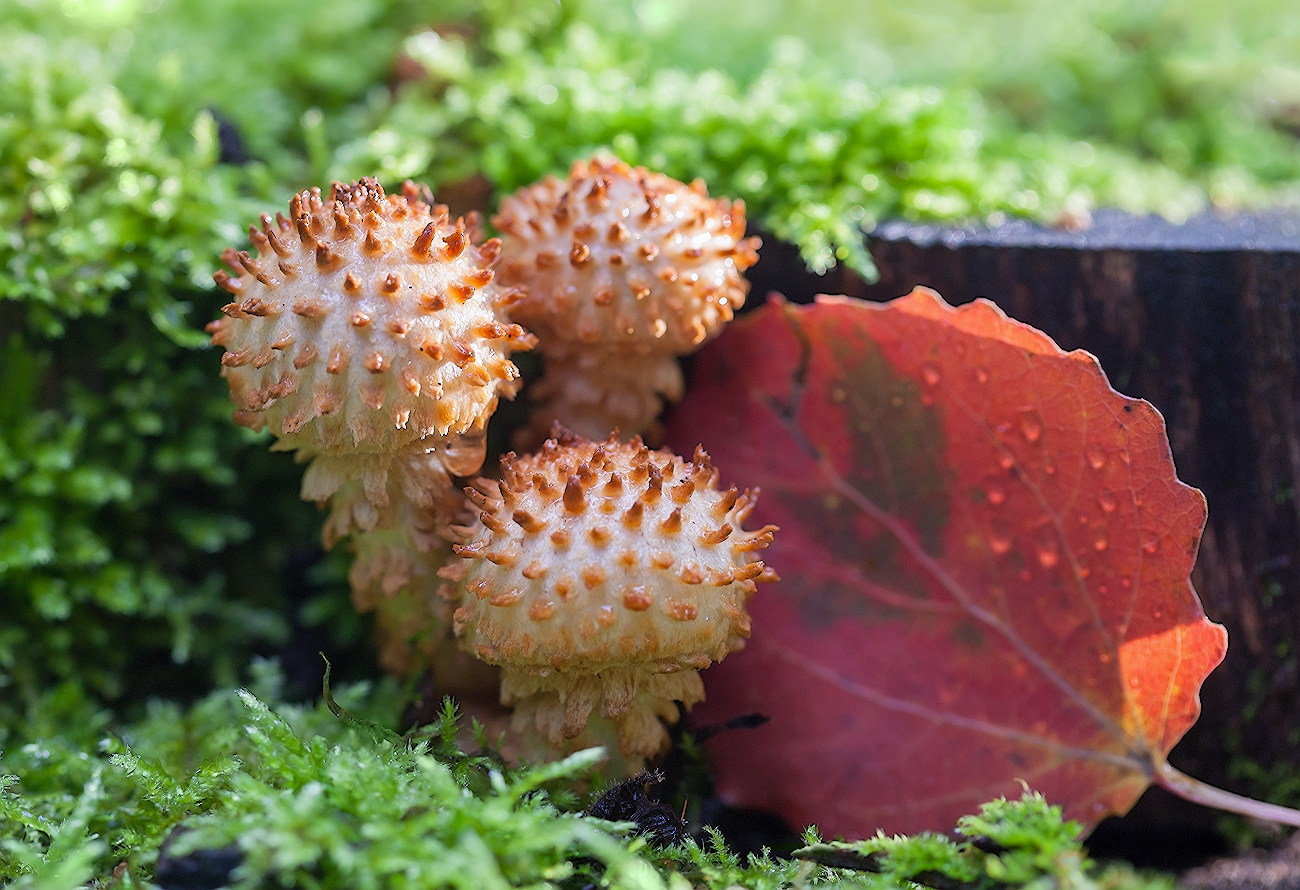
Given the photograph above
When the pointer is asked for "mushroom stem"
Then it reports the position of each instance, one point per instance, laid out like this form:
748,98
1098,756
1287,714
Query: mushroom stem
594,391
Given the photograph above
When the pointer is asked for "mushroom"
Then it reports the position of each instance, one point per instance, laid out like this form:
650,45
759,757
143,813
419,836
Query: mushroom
622,270
604,576
394,575
368,335
515,737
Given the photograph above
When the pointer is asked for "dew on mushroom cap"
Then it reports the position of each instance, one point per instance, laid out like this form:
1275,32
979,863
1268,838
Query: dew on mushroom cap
605,576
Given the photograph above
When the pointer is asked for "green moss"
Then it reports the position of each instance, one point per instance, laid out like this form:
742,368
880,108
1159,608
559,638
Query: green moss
1008,844
312,800
124,489
819,156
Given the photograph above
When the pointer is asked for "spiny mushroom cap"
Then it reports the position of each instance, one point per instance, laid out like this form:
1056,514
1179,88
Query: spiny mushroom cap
625,258
603,576
591,556
366,321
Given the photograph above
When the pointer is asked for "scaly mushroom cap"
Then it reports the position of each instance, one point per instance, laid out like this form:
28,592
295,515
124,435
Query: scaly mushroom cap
624,258
366,321
605,575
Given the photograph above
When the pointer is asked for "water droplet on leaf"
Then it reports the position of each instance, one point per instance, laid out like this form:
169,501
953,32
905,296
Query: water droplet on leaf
1048,555
1031,425
1096,457
1057,615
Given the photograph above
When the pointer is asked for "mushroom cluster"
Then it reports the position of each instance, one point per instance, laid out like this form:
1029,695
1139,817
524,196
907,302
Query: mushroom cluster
604,576
372,335
622,271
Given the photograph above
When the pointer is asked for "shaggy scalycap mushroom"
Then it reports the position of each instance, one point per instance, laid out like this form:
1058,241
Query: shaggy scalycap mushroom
406,554
605,576
628,265
365,322
368,324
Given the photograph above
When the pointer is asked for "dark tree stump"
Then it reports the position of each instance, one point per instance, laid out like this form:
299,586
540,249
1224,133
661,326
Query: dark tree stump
1202,320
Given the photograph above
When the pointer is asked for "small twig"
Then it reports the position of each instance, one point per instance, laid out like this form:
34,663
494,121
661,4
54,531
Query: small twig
744,721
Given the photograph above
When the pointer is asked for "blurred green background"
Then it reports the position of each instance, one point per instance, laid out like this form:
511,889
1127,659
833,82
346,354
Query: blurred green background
149,547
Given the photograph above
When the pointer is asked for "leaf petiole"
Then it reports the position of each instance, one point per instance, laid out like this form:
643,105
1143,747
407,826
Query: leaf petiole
1197,791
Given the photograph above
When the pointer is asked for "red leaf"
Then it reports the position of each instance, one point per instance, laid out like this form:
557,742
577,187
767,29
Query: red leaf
985,558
